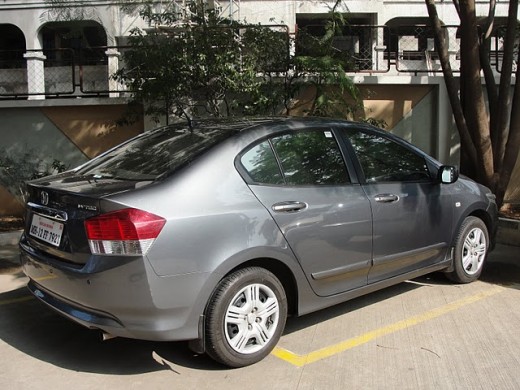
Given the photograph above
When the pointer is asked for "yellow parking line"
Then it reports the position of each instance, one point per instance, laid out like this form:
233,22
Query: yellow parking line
16,300
302,360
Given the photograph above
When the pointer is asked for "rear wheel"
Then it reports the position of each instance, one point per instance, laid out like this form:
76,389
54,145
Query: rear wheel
245,317
471,250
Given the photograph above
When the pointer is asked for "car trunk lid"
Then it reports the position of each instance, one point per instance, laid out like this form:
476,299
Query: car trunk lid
57,209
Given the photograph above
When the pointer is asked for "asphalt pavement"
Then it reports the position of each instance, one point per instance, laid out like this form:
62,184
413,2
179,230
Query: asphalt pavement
425,333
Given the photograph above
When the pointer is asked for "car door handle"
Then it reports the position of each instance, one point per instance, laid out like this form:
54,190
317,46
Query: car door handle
386,198
288,207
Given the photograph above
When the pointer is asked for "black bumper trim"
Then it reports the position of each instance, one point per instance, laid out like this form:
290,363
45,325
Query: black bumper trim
81,315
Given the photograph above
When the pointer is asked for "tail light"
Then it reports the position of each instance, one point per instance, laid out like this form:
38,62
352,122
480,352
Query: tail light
123,232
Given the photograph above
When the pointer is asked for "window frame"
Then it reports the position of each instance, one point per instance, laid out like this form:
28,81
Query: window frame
351,174
431,166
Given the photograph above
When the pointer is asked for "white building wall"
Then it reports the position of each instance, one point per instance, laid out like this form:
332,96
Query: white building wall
31,15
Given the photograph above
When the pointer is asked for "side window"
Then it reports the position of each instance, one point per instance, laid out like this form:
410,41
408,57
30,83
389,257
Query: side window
310,158
261,165
298,158
384,160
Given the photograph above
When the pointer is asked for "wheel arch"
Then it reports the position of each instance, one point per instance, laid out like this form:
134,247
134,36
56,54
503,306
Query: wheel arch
277,267
479,213
282,272
486,218
467,255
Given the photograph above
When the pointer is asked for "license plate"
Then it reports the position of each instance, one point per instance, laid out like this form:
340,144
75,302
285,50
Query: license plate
46,230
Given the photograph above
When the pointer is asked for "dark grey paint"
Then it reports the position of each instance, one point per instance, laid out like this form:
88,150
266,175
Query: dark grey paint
342,244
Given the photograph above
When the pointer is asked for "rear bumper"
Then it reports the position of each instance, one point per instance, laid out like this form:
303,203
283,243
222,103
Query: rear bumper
126,300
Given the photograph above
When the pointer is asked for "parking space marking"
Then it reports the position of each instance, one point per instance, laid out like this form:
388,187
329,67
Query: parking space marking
16,300
323,353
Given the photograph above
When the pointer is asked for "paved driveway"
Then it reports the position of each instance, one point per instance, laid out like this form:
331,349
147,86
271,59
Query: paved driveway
423,334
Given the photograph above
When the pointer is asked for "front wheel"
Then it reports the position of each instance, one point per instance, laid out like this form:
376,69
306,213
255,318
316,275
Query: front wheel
245,317
471,249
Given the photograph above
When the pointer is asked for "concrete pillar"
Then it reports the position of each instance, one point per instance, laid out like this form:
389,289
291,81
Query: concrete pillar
380,63
113,66
448,144
35,74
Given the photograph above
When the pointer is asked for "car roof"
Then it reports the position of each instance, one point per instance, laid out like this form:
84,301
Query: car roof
242,123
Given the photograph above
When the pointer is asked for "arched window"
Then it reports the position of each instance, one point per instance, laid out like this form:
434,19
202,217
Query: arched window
353,45
83,42
409,38
12,47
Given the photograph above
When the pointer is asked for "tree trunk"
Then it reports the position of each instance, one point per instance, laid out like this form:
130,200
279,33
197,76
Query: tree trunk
500,135
513,142
495,159
451,85
491,85
475,109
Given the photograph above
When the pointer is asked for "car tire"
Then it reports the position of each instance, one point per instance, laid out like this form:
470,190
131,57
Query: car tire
245,317
470,252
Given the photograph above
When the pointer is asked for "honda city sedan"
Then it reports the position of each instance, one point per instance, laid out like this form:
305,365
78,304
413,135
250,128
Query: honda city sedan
215,231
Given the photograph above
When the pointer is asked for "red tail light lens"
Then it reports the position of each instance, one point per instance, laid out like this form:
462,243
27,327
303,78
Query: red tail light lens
123,232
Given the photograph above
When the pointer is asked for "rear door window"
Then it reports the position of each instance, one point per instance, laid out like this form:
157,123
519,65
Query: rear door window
298,158
261,164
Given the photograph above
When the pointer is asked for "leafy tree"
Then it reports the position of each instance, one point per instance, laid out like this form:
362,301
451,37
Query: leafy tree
195,62
489,128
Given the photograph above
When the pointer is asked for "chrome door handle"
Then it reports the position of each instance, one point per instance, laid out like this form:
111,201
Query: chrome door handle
288,206
386,198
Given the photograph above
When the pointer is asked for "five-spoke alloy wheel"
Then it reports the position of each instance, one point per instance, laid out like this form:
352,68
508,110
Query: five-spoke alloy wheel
245,317
471,249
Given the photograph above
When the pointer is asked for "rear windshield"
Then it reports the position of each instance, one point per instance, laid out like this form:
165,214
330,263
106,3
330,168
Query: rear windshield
155,154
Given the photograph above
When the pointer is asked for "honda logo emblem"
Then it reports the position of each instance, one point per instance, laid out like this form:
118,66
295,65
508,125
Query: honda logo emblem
44,198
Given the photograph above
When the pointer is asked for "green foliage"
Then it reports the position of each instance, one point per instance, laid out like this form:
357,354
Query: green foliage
17,167
194,62
381,123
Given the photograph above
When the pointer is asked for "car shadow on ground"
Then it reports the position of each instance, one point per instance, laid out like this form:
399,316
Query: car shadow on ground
503,274
30,327
295,324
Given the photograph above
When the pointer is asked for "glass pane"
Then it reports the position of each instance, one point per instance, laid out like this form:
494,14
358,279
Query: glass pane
261,164
155,154
384,160
310,157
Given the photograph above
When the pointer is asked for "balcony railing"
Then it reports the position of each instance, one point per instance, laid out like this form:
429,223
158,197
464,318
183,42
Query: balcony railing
45,74
38,74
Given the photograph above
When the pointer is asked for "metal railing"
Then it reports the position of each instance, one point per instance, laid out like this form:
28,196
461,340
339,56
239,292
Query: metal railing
39,74
59,73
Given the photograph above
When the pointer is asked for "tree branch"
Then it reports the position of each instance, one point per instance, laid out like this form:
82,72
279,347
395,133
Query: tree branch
513,142
491,85
442,50
457,6
475,111
488,29
504,93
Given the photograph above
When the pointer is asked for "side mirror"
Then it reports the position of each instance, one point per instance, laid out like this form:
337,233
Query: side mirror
448,174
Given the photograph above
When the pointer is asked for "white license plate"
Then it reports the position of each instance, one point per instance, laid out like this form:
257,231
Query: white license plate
46,229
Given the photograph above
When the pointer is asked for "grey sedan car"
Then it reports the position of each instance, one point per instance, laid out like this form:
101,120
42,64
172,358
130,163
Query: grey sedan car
215,231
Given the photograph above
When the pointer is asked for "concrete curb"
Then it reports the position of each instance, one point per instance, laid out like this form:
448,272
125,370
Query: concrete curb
508,231
9,253
10,238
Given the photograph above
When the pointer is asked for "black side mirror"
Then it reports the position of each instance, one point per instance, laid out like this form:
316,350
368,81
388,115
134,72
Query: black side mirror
448,174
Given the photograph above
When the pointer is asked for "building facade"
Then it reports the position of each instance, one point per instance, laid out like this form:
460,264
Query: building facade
59,101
